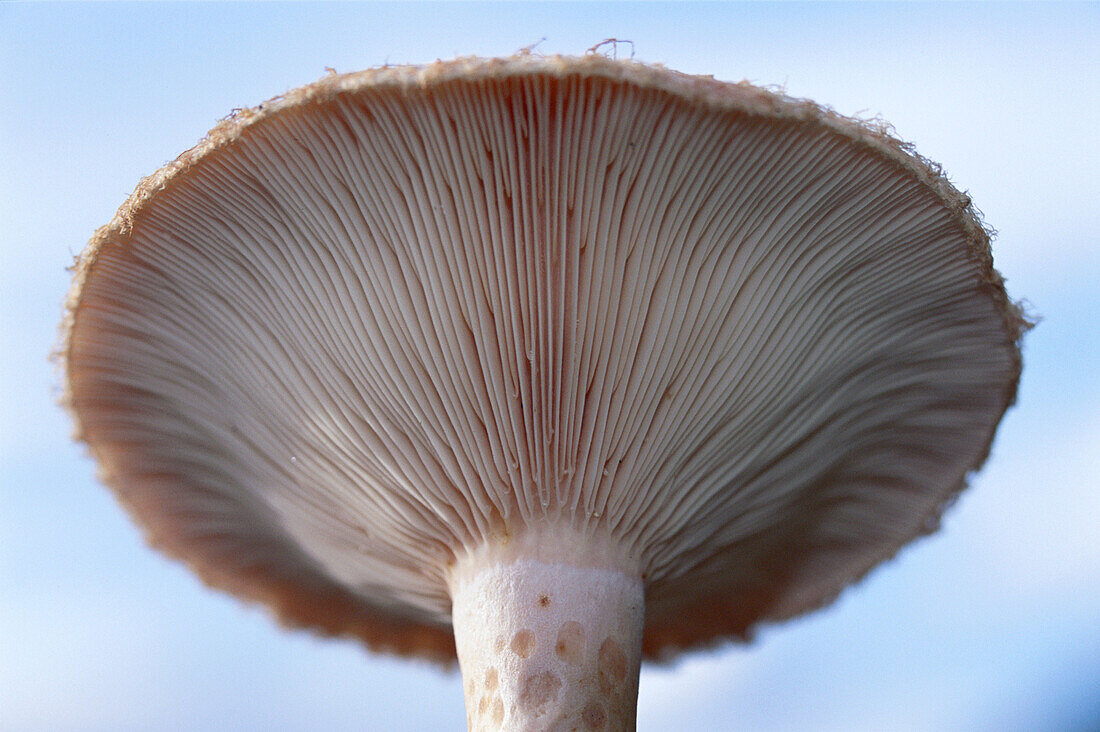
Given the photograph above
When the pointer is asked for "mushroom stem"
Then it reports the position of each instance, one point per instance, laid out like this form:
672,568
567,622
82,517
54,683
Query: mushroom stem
548,646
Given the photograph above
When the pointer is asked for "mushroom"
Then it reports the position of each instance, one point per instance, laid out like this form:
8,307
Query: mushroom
591,360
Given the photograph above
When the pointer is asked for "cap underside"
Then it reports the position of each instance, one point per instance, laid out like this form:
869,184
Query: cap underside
365,327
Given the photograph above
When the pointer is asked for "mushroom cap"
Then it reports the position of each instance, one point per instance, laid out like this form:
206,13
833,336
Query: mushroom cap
377,322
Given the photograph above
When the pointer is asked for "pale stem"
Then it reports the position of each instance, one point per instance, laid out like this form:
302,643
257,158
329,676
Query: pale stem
548,646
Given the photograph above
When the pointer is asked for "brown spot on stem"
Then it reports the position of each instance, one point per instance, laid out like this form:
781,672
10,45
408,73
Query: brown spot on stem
544,600
570,645
594,716
538,691
523,644
611,665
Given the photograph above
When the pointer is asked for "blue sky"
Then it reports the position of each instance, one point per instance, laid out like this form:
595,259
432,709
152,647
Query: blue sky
994,623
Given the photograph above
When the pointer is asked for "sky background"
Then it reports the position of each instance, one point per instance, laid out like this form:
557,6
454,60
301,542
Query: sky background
992,624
